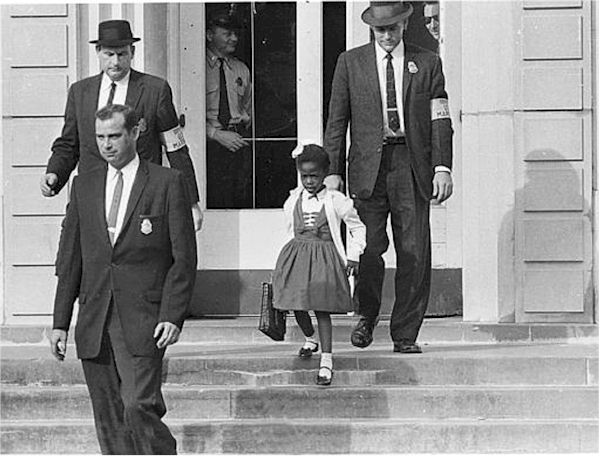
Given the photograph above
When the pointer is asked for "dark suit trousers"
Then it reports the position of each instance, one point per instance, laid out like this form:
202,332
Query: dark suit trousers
126,397
228,177
396,193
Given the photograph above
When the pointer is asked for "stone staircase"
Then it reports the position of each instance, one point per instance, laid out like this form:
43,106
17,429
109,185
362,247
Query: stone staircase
228,389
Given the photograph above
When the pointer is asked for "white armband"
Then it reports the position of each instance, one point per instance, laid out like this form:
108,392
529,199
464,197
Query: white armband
173,139
439,109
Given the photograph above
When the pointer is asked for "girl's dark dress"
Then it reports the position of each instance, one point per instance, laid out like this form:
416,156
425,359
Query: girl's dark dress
309,274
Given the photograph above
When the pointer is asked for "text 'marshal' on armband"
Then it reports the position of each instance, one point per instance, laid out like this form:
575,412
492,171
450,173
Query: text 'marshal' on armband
439,109
173,139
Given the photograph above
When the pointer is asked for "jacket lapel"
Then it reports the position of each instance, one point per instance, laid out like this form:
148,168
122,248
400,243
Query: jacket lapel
134,89
90,103
407,75
97,185
370,66
141,178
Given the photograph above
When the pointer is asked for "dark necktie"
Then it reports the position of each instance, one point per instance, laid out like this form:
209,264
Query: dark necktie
111,95
390,86
224,115
114,207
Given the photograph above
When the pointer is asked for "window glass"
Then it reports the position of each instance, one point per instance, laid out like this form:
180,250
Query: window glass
261,173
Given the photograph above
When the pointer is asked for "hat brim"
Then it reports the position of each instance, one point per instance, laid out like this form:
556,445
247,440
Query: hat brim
115,43
367,17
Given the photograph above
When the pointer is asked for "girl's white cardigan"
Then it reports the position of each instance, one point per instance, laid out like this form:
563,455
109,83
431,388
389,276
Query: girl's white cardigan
338,207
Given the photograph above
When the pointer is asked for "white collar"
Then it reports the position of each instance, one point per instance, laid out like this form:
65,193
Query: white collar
320,195
397,53
128,170
106,81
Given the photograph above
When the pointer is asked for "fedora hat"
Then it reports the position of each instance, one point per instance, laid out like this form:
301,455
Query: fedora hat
114,33
380,14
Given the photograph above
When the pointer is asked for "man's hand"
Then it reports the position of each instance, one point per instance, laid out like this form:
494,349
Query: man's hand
58,344
442,186
166,333
333,182
47,183
352,268
198,216
230,140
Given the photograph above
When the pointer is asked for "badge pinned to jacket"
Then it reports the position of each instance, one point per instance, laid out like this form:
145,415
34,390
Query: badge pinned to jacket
146,227
239,81
412,67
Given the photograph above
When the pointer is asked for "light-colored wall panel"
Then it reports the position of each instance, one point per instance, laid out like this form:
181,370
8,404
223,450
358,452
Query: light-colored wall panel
30,290
34,241
28,201
553,291
29,89
39,10
541,40
552,88
535,4
29,140
553,240
553,139
554,190
39,45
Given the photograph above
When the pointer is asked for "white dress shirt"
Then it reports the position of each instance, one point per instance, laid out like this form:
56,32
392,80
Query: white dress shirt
398,65
129,171
120,90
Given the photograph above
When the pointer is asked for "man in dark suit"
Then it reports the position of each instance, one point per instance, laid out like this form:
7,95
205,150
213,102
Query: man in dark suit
118,83
392,94
127,251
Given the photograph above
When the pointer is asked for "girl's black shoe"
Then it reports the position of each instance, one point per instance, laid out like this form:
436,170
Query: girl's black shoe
324,380
305,353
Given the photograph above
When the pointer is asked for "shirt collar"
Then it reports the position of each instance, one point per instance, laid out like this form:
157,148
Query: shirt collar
397,53
306,195
213,59
123,82
128,170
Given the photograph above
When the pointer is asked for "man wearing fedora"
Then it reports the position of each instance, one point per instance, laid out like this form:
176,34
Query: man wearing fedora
392,94
118,83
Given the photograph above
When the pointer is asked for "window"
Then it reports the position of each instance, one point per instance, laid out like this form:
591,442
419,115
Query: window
260,174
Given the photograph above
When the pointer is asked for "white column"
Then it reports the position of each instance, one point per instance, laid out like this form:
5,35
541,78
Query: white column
93,21
137,26
309,70
488,160
357,32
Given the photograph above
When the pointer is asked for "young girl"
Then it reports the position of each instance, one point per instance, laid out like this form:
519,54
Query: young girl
312,269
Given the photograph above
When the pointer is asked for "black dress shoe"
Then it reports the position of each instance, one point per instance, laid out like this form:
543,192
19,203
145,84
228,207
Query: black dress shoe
305,353
324,380
407,348
362,335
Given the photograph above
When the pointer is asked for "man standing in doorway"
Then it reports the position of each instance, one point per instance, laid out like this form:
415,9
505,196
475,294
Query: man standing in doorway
392,94
128,252
228,107
118,83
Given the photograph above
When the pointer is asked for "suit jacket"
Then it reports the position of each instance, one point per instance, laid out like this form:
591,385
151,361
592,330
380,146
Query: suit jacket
149,277
152,100
356,99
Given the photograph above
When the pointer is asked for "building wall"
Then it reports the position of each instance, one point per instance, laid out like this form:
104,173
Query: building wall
506,111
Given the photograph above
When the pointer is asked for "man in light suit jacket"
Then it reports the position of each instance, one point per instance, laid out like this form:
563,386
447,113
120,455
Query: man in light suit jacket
127,251
118,83
392,94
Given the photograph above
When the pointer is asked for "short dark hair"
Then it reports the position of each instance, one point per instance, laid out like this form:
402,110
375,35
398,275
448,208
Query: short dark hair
224,20
314,153
129,114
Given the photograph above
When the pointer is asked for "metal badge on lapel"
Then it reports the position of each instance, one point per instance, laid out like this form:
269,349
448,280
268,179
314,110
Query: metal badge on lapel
146,227
412,67
142,125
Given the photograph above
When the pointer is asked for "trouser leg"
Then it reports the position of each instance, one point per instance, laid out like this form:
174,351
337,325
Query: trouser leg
410,227
104,387
143,403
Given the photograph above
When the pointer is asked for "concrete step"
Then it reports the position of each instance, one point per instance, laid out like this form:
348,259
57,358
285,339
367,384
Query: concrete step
277,364
294,436
242,330
305,402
